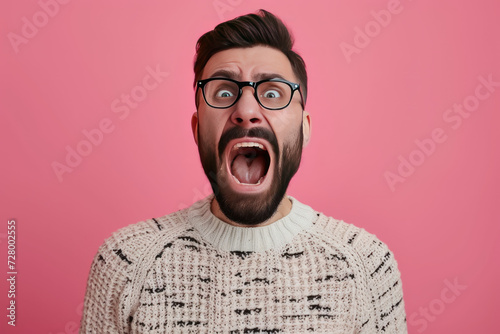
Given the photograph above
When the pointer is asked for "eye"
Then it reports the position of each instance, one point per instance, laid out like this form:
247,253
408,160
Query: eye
224,93
271,94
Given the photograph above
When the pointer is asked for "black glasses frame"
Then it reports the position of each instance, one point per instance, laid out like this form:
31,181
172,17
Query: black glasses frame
293,86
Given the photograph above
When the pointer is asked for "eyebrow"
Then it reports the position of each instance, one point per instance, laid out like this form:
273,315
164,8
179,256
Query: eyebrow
233,75
265,76
224,74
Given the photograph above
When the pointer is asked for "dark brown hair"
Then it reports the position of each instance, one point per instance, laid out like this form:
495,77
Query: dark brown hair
250,30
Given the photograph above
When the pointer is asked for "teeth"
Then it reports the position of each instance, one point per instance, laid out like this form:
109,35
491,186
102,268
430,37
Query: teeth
248,144
248,184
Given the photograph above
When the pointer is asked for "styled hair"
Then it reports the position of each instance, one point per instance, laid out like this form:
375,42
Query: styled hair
246,31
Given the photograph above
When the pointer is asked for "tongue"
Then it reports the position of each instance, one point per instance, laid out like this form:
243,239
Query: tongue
248,168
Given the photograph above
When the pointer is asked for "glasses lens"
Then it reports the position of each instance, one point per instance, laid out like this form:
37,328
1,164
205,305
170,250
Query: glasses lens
273,94
221,93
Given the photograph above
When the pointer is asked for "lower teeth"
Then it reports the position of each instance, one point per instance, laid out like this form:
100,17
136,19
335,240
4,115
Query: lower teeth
248,184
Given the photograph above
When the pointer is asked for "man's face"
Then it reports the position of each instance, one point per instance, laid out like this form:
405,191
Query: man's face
250,153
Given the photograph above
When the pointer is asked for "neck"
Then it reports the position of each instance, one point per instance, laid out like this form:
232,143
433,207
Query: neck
283,209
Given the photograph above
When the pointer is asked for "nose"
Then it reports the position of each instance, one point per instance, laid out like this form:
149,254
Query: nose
247,111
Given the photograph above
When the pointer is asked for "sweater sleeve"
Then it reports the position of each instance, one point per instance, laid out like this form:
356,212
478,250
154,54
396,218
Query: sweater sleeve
385,309
102,311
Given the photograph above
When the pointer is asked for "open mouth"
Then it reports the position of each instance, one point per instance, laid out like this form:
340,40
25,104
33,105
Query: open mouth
249,162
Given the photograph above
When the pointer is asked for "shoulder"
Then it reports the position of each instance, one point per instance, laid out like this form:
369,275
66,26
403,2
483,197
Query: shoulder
367,250
128,245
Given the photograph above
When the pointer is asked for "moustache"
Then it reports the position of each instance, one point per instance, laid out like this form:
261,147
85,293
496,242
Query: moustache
239,132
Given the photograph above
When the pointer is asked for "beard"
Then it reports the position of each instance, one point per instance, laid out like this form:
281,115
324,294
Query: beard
251,209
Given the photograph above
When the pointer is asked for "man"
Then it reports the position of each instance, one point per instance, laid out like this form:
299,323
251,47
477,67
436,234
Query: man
248,259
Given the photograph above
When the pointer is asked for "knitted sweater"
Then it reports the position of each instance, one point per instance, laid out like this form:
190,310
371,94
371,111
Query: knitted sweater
189,272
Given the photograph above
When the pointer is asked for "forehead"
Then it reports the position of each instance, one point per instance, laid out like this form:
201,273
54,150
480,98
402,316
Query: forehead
250,64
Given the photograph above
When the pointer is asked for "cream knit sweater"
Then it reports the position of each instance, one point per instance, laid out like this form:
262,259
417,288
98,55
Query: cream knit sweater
189,272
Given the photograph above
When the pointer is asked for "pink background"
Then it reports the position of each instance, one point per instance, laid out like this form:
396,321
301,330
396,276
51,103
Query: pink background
368,109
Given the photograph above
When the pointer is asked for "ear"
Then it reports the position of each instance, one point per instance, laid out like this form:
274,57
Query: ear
306,127
194,126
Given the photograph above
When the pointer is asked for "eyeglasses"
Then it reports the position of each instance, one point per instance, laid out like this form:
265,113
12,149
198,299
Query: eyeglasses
272,94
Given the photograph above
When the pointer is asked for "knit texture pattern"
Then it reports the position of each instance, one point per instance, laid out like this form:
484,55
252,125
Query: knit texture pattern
189,272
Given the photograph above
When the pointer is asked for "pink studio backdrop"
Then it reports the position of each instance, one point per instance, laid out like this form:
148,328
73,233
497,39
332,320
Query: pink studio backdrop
404,98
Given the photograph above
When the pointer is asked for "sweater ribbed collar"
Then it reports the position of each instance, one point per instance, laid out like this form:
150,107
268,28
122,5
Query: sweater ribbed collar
249,239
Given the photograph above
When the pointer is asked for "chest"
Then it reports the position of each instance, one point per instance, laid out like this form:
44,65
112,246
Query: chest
191,288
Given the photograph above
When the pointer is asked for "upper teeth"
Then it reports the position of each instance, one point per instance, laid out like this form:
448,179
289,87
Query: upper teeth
248,144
